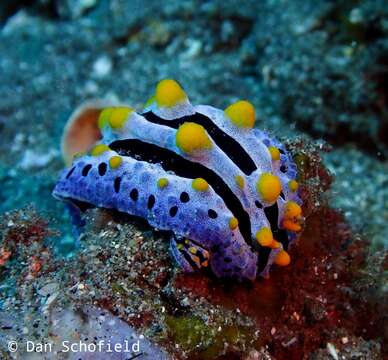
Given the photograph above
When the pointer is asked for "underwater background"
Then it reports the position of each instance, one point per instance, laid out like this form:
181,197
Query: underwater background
317,74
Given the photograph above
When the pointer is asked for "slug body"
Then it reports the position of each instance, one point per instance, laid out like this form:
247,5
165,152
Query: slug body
225,190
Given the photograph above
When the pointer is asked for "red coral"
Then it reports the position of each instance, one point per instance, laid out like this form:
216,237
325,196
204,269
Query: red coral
296,308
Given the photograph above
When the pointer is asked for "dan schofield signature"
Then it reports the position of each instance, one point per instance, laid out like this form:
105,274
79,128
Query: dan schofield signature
101,346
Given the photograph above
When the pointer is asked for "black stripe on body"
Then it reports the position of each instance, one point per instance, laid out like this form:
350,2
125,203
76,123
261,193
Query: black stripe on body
272,214
225,142
188,258
200,250
170,161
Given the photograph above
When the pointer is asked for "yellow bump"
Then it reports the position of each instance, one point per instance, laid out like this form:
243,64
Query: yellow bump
115,162
99,149
269,187
233,223
180,247
282,258
150,101
242,113
264,236
162,183
119,116
192,250
104,117
191,137
275,153
291,226
239,181
169,93
200,184
293,185
292,210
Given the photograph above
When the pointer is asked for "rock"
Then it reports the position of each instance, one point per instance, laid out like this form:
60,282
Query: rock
32,159
72,9
102,67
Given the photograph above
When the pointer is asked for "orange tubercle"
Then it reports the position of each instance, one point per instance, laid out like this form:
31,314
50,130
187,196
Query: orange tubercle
275,244
292,210
290,225
282,258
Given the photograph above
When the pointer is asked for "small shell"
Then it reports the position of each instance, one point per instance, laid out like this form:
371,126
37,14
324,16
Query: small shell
81,130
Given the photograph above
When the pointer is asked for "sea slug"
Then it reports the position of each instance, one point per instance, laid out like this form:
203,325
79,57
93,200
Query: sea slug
226,190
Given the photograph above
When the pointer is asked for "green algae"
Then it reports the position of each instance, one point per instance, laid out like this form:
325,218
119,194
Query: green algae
232,335
190,332
206,341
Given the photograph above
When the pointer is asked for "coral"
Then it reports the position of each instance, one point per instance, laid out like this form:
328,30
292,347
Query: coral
24,236
330,269
32,229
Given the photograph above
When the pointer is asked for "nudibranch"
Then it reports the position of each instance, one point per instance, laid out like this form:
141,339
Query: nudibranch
225,190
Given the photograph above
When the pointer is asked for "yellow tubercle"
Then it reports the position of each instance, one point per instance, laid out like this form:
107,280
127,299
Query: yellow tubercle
169,93
275,153
119,116
242,114
115,162
99,149
233,223
269,187
264,236
292,210
293,185
240,181
282,258
162,183
104,117
200,184
191,137
192,250
114,116
292,216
